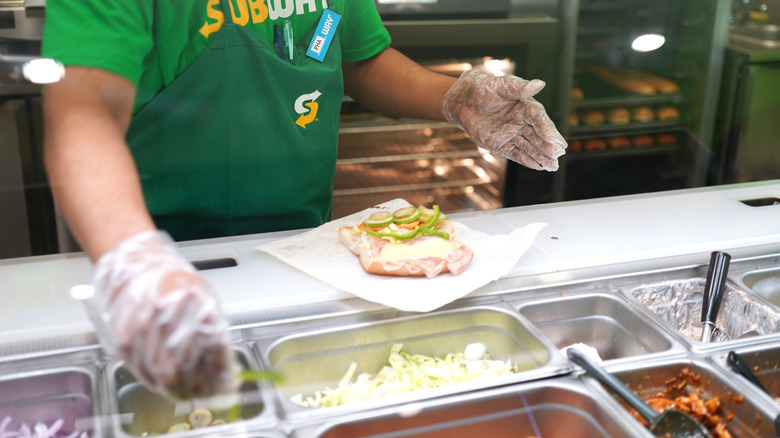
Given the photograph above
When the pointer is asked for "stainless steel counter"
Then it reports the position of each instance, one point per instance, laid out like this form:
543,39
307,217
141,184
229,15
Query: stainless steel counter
584,281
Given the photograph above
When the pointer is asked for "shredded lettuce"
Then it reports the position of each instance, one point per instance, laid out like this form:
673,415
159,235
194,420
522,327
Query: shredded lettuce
406,373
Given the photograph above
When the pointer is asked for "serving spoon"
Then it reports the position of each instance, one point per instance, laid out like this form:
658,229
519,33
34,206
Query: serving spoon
671,422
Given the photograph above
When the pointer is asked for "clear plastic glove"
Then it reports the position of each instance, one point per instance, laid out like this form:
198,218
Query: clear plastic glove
153,310
500,115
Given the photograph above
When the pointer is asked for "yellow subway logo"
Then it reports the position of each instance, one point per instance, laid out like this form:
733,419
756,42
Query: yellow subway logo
256,11
306,105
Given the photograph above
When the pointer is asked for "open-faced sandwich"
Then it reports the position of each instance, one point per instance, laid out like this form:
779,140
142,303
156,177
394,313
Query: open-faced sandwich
408,242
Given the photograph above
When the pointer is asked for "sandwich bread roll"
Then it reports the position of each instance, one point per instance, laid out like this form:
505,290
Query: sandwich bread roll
642,114
574,119
643,140
618,116
619,142
622,81
667,113
425,255
661,85
593,117
595,144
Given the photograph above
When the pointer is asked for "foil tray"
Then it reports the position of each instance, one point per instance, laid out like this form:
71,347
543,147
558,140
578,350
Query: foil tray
678,303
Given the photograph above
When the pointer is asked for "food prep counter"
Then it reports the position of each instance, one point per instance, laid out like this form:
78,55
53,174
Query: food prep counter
616,274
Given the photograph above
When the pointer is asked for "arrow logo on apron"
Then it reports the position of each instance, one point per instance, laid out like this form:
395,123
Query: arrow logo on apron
307,114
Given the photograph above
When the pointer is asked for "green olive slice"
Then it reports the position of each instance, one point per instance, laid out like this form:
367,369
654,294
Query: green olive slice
379,219
406,215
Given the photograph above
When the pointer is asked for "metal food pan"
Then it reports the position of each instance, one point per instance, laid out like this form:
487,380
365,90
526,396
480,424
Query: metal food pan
764,282
561,407
311,361
49,395
678,304
139,410
751,416
764,361
601,321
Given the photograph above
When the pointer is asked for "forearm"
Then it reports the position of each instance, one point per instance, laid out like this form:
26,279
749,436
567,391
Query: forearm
393,84
91,170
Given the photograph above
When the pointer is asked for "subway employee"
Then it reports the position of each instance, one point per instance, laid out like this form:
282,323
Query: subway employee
205,118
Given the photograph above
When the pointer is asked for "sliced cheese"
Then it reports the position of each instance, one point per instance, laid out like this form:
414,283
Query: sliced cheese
419,249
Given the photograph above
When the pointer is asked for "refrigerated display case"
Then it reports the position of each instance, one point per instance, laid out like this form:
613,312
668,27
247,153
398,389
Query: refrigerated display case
641,118
620,141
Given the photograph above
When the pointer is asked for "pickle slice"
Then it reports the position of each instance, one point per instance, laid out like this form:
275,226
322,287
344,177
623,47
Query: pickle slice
406,215
426,214
379,219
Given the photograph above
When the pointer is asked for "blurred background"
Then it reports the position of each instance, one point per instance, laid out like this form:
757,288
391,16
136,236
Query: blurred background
651,96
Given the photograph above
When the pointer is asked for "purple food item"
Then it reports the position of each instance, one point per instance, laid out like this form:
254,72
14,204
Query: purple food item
39,430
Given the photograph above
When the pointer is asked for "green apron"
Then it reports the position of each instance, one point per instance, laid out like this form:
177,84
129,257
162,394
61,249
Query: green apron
242,141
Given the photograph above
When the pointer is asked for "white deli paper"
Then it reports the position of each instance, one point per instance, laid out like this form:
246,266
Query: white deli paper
319,253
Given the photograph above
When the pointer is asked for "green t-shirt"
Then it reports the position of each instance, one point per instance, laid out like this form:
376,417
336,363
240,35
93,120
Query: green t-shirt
151,42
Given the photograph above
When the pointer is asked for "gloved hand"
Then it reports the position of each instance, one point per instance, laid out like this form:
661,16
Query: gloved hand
153,310
500,115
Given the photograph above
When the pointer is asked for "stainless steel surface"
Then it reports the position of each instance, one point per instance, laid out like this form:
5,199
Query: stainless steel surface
749,106
765,282
313,349
558,408
27,22
52,387
751,417
313,360
20,69
139,410
64,393
671,423
602,321
739,366
764,362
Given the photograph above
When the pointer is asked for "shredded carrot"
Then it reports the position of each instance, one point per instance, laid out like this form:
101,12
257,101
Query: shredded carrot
410,226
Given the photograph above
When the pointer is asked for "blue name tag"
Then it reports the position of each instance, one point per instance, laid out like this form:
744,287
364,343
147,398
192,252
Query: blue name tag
324,35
